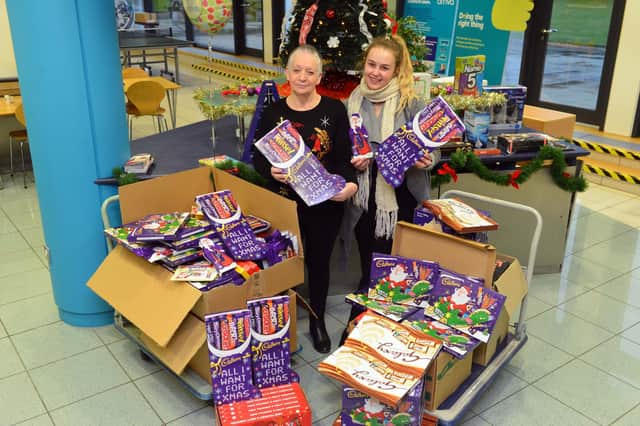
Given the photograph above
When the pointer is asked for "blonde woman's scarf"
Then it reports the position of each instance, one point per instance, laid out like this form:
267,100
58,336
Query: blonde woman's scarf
385,196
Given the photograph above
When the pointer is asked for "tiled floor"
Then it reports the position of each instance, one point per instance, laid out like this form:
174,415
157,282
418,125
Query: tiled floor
581,364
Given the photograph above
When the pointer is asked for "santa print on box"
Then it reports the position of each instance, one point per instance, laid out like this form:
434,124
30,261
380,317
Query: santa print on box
150,252
284,148
396,279
392,311
454,342
432,127
465,306
360,409
229,343
158,227
226,216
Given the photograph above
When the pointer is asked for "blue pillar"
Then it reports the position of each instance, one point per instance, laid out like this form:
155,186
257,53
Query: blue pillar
67,57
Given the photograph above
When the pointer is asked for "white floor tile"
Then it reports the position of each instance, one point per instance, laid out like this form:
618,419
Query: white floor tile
537,358
323,394
167,396
603,311
592,229
532,407
588,390
20,206
119,406
629,419
621,253
328,420
505,384
19,261
598,197
18,399
535,307
587,273
77,377
6,226
10,363
626,212
53,342
625,288
553,289
475,421
42,420
619,357
633,333
108,334
128,355
12,242
24,285
34,236
202,417
3,332
566,331
29,313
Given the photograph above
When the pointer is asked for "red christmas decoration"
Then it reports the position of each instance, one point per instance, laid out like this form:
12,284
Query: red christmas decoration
512,179
446,169
330,14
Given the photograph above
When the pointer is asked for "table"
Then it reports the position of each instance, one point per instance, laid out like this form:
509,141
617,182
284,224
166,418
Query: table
9,108
169,86
180,149
157,40
214,106
540,192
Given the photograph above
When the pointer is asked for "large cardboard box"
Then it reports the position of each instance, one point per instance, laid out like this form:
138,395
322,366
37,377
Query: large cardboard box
470,258
445,374
554,123
170,314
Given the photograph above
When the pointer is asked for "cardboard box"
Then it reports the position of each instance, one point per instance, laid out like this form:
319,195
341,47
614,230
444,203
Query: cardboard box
161,308
445,374
554,123
279,405
470,258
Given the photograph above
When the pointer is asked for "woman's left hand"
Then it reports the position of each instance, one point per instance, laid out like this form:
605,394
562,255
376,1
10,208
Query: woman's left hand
424,162
347,192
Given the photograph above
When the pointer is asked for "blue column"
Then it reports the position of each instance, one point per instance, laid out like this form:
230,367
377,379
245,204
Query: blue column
67,57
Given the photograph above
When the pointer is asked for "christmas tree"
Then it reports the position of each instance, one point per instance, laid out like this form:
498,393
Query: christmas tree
340,30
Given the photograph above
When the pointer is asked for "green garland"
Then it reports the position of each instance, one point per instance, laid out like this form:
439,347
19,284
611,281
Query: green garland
467,160
122,177
243,171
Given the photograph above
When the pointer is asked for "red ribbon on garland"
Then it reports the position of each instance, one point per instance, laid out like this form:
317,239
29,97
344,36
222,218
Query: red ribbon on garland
512,179
446,169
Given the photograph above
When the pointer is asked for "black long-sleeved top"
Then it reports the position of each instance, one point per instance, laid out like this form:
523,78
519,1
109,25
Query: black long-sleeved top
324,129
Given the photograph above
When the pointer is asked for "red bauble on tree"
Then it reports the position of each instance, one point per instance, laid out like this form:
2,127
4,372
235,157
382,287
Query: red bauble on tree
330,14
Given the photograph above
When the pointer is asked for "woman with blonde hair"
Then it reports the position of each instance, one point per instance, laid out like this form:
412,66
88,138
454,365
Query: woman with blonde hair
386,100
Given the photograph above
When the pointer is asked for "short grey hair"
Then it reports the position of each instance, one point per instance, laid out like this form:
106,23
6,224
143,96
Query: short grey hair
306,48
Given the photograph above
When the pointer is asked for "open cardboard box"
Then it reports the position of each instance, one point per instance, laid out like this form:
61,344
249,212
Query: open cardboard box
470,258
143,292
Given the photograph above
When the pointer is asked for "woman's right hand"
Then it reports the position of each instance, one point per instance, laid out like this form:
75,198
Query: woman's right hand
361,164
279,174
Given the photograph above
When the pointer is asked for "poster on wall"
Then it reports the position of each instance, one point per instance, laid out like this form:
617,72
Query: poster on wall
457,28
436,20
475,34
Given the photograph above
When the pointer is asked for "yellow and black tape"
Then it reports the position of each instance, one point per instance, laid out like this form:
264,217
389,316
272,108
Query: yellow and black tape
221,73
241,66
600,171
607,149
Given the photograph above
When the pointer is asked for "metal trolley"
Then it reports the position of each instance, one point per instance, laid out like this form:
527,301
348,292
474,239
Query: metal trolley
195,384
451,410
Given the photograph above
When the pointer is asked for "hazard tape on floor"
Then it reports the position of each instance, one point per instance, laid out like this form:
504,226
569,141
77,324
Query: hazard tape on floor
227,74
607,149
240,66
623,177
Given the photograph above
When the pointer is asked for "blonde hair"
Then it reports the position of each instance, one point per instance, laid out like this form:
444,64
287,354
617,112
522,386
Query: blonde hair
306,48
404,67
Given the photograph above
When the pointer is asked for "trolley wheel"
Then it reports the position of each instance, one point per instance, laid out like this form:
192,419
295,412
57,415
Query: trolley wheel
144,356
